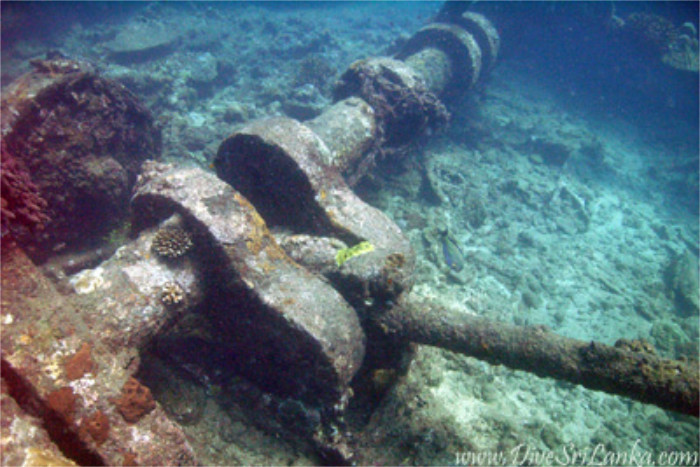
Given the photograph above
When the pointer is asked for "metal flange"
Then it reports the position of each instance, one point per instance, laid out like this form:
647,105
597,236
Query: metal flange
486,36
459,45
277,164
402,102
290,331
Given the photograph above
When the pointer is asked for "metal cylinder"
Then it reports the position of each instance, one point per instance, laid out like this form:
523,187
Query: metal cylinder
459,45
403,105
349,129
398,94
440,59
434,66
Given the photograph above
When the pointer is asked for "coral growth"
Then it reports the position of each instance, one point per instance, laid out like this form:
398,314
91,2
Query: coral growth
83,139
172,243
636,345
678,47
172,294
135,401
62,401
97,426
684,52
655,31
21,202
80,363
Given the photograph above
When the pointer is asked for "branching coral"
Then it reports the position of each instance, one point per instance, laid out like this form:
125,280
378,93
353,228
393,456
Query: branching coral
684,52
654,30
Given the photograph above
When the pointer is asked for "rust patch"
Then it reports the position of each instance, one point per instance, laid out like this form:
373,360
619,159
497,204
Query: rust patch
276,253
80,363
97,426
268,267
135,401
62,401
129,459
259,235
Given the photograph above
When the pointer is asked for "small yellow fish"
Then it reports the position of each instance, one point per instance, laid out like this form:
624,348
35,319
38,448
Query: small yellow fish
347,253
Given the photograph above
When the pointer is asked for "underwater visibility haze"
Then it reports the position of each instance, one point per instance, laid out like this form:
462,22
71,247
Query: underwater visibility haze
423,233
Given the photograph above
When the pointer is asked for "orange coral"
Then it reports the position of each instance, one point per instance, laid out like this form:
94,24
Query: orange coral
135,401
80,363
20,200
97,426
62,401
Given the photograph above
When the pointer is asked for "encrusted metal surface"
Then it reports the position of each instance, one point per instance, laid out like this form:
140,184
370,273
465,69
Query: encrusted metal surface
294,334
486,36
349,129
458,44
276,163
67,365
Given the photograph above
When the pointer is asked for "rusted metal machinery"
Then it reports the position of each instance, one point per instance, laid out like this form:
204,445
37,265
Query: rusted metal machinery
289,171
287,266
384,103
286,169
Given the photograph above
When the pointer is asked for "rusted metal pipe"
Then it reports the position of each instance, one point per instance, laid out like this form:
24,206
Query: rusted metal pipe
443,59
669,384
